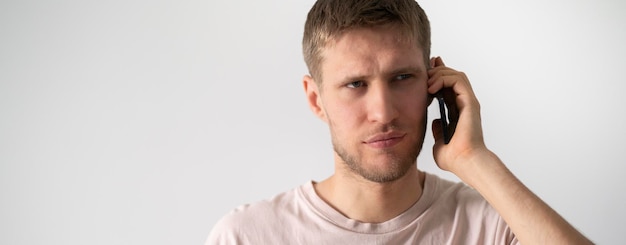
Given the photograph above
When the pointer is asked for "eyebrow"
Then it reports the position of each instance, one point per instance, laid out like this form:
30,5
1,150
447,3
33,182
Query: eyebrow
408,69
397,71
350,78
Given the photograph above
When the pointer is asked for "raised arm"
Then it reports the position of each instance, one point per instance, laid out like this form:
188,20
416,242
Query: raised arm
531,219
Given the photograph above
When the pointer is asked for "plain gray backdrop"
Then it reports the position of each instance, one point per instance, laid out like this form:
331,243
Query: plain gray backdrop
144,122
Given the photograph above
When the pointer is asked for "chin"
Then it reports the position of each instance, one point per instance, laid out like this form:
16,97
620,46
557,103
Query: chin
382,169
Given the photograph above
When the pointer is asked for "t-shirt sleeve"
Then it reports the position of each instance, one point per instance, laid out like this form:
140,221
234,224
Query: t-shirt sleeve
254,223
483,224
223,232
504,234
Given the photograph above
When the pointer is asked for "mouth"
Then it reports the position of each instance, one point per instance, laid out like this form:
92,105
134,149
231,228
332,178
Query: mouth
384,140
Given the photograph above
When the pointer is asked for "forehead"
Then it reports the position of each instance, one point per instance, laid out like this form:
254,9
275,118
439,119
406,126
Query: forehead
367,51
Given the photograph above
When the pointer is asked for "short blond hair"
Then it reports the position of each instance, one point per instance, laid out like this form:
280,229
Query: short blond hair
329,19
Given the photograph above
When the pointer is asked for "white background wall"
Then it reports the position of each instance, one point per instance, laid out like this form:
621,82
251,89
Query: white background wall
143,122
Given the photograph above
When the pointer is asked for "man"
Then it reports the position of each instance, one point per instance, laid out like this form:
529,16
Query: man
371,80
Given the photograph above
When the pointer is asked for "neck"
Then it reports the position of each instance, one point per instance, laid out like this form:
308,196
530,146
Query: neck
368,201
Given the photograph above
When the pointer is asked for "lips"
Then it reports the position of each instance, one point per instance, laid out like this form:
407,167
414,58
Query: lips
384,140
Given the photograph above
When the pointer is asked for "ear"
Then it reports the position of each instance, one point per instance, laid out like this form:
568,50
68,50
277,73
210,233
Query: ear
314,98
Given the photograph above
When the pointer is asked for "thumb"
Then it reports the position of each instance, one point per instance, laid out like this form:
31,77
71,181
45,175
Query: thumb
439,142
437,131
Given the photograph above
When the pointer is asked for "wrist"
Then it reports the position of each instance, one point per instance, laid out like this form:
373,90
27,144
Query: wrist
478,166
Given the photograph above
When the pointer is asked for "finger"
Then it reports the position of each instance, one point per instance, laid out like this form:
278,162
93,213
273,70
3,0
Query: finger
456,80
446,71
438,69
439,62
435,73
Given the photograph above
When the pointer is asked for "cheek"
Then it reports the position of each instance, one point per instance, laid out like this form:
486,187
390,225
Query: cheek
343,119
414,101
344,115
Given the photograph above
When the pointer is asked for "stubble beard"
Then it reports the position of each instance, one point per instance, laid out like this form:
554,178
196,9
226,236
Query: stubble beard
398,166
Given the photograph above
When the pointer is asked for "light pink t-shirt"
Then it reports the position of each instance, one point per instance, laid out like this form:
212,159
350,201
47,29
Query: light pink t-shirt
446,213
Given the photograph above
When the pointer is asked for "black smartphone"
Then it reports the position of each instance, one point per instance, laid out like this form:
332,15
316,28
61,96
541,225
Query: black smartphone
447,123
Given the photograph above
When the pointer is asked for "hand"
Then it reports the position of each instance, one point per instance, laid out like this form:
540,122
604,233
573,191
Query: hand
532,221
467,140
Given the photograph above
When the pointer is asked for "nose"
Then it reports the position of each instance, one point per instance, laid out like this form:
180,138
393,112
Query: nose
381,105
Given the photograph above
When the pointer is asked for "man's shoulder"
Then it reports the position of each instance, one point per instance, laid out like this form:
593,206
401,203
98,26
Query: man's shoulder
266,208
460,208
458,195
257,218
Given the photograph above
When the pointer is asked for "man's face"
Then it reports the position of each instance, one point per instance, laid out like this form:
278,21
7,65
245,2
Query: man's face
373,96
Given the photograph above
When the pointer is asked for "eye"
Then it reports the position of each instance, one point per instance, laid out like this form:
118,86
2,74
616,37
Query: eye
355,84
403,76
